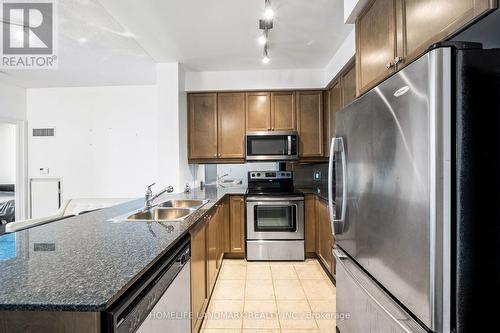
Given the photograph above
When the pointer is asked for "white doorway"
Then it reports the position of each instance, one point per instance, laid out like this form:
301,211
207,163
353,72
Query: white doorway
13,174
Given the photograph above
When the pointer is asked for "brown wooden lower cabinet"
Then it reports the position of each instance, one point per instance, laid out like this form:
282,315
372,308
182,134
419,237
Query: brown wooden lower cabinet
310,224
324,235
237,225
199,295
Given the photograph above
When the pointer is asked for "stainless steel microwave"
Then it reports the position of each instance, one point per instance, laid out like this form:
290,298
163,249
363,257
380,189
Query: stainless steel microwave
272,146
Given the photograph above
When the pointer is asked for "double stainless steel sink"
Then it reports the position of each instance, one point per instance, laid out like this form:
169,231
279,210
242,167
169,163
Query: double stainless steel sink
168,211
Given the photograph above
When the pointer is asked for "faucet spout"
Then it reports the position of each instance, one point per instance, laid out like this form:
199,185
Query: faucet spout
149,197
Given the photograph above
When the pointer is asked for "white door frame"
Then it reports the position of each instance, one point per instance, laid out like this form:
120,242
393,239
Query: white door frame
21,186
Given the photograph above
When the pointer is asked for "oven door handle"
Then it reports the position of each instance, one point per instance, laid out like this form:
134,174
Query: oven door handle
274,199
273,203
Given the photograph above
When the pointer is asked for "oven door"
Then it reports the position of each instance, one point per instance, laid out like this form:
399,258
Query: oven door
275,218
271,146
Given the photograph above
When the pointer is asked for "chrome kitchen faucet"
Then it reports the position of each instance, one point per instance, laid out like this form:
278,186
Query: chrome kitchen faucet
149,197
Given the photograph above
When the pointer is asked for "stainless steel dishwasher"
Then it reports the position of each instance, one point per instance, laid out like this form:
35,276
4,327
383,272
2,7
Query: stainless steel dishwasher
160,302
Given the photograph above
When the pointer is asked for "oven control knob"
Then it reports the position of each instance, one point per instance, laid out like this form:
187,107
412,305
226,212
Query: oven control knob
253,174
258,175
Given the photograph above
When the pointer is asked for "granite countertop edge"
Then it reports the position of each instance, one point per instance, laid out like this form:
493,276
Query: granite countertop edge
193,221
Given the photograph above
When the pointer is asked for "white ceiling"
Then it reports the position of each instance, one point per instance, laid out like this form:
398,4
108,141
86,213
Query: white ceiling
126,37
110,56
222,34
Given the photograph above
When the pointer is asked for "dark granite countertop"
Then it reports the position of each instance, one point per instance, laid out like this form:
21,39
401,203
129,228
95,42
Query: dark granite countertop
320,191
86,262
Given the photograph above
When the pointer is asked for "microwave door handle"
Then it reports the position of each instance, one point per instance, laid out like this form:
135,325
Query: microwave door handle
289,145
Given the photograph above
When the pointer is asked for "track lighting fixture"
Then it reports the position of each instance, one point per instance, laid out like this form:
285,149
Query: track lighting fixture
266,58
265,25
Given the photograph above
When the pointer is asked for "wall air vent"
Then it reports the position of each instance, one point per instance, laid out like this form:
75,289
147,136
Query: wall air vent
44,131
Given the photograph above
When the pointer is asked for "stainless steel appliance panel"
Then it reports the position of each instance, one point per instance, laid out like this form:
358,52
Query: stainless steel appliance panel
364,307
275,217
272,146
275,250
171,313
396,224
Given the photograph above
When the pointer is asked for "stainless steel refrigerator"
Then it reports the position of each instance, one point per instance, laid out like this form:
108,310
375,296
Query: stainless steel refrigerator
414,189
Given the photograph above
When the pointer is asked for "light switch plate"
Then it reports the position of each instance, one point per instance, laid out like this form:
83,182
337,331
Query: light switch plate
44,171
317,175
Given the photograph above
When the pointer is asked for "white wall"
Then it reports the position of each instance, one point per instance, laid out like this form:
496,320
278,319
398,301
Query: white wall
7,153
251,80
12,102
105,143
352,9
344,53
113,141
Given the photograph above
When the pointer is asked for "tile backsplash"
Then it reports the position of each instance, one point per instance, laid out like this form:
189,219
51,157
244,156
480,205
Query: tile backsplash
240,171
305,174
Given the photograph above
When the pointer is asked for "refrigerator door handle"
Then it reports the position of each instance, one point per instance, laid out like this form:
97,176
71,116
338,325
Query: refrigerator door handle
330,185
337,223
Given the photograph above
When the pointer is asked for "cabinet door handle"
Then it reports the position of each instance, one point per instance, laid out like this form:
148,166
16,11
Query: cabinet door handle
398,60
389,65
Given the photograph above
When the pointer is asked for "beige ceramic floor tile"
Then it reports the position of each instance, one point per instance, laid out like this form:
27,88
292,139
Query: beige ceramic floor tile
258,263
233,272
258,272
300,331
324,313
224,314
310,272
283,272
220,330
295,315
288,289
318,289
260,331
259,289
235,262
261,315
229,289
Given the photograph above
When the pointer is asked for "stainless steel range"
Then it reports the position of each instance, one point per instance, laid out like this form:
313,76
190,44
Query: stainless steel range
275,217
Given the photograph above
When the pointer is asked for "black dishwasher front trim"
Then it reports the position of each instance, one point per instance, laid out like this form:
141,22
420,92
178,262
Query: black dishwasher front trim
131,309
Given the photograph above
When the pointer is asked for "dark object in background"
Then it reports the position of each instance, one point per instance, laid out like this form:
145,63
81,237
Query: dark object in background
7,211
7,187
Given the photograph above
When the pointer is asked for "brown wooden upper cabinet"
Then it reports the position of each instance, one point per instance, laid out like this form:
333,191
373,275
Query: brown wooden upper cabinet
258,114
429,21
202,126
349,85
216,126
333,104
231,125
375,43
310,123
283,111
273,111
392,33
